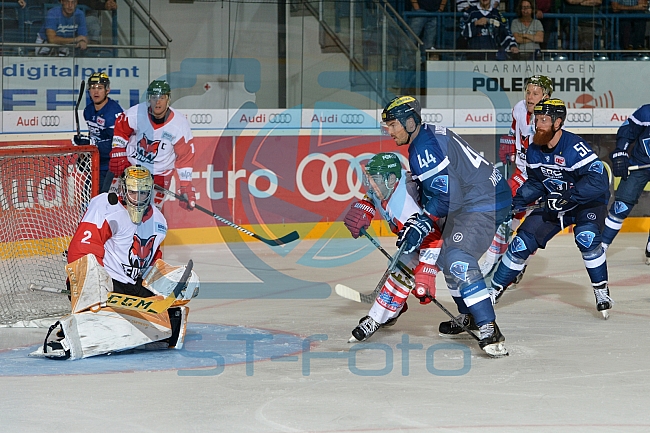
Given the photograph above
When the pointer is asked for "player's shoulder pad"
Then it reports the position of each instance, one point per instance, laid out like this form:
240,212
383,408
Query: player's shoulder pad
641,116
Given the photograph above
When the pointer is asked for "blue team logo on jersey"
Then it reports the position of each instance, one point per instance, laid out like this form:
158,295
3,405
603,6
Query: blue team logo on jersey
646,145
517,244
441,183
596,166
619,207
459,270
585,238
387,300
553,185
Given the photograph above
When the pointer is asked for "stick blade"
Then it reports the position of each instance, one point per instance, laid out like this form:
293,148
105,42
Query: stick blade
280,241
347,293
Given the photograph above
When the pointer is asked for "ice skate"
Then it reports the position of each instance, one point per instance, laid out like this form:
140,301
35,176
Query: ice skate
391,322
366,327
647,254
492,340
496,291
603,302
451,330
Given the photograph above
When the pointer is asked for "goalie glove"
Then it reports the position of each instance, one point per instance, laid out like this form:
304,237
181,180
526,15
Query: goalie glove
425,282
620,164
118,162
415,229
81,140
189,194
359,217
507,149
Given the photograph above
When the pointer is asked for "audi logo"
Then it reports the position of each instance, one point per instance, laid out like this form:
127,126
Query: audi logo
431,117
352,118
280,118
578,117
329,176
50,120
201,119
504,117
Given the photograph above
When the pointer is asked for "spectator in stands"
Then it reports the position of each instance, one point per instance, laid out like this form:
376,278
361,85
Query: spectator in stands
427,24
549,24
631,31
64,25
528,31
463,5
92,16
486,29
586,26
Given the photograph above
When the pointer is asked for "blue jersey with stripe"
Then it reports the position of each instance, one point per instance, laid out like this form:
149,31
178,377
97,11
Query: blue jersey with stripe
452,176
101,125
635,133
570,164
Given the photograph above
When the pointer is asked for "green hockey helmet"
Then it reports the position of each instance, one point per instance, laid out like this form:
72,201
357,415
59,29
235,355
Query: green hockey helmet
158,88
381,175
542,81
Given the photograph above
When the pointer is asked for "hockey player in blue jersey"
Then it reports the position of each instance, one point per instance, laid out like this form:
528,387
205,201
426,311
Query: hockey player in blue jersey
569,179
470,198
100,117
632,148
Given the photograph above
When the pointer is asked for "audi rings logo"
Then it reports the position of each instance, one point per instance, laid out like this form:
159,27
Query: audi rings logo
504,117
50,120
201,119
280,118
352,118
578,117
432,117
329,176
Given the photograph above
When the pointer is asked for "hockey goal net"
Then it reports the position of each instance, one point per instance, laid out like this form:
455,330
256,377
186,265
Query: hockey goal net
44,190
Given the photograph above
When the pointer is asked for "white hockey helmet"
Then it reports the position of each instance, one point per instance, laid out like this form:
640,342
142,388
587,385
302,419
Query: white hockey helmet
137,186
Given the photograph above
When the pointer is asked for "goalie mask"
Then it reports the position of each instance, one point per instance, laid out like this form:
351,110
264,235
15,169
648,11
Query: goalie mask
137,186
381,175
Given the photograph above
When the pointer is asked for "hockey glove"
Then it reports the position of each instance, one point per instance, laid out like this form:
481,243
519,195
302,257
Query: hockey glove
415,229
359,217
81,140
556,201
425,282
620,164
118,162
189,194
507,149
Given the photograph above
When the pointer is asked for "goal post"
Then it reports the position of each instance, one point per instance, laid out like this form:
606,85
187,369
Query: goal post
44,191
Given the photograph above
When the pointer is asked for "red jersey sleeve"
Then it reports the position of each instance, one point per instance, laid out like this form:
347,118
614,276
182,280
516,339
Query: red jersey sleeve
123,130
89,239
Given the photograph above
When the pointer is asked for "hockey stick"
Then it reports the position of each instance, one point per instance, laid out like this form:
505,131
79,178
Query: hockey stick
638,167
147,305
272,242
377,245
76,108
348,293
37,288
434,300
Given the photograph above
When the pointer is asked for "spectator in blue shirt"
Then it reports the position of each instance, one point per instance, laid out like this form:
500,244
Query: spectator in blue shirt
64,25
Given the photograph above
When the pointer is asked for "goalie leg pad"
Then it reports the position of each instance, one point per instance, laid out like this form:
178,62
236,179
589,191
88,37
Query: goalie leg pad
106,331
162,279
89,283
178,319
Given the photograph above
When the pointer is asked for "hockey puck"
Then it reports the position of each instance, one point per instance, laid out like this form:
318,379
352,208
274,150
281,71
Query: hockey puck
112,198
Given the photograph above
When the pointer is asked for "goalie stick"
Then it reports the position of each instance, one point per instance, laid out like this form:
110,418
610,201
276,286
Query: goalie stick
135,303
272,242
354,295
638,167
76,108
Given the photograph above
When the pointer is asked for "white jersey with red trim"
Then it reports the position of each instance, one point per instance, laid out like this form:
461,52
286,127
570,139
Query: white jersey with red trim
158,147
523,129
401,204
125,249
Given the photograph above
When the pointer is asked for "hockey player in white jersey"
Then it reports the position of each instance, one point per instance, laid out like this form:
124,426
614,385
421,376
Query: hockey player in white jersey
391,192
513,148
156,136
114,262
